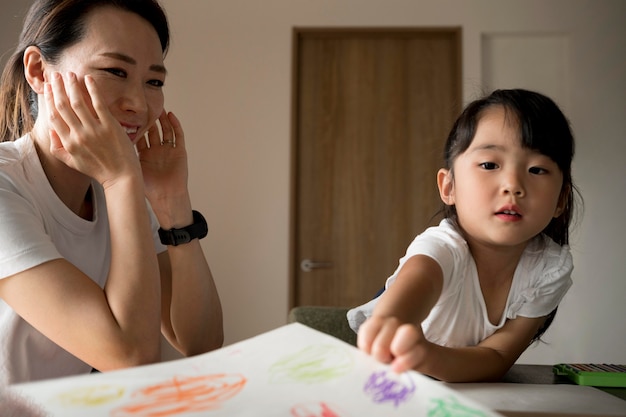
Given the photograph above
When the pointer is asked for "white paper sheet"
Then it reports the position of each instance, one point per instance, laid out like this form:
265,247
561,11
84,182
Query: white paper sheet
292,371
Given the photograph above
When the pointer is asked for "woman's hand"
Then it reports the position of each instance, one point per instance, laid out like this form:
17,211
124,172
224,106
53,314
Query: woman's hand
84,134
390,341
163,160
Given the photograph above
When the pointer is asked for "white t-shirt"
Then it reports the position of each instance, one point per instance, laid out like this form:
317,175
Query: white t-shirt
36,227
459,317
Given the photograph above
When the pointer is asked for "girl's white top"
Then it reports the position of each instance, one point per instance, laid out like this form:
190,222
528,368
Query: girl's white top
460,318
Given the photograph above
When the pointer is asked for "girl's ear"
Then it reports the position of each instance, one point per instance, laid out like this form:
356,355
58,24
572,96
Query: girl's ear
445,182
563,198
34,67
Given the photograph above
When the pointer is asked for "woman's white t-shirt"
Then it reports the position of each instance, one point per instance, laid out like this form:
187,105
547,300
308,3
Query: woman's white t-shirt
459,317
36,227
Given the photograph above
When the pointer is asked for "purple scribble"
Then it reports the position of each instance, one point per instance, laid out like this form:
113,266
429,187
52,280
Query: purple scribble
382,388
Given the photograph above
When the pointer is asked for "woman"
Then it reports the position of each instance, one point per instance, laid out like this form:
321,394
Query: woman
85,279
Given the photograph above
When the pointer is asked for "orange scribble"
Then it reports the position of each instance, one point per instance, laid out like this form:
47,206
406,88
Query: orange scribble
183,395
320,409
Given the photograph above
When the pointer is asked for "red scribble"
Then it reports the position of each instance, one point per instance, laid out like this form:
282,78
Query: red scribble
320,409
183,395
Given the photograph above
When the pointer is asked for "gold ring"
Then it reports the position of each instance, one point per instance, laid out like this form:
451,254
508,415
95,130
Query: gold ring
169,142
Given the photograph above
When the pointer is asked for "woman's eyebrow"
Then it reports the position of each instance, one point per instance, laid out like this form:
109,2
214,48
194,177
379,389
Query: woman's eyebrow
130,60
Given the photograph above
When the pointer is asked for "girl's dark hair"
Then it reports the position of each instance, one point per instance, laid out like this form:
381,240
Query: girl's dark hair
53,26
543,128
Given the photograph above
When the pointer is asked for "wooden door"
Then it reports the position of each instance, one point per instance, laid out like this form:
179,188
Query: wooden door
372,110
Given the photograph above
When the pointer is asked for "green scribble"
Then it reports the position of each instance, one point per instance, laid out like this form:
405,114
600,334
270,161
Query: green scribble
311,365
451,407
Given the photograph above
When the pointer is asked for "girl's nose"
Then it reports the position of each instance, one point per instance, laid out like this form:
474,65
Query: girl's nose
513,184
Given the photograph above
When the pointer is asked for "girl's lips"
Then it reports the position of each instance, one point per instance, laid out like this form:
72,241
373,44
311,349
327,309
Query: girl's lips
509,215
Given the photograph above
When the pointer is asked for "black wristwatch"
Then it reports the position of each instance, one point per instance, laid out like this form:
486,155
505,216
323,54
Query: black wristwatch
197,230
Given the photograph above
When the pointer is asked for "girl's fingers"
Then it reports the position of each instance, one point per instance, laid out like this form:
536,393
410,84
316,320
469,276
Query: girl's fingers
405,348
404,340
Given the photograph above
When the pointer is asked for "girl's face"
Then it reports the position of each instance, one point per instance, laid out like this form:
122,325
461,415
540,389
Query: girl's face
122,52
504,194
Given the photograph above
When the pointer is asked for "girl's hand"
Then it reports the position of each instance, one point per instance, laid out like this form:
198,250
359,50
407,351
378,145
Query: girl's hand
163,160
389,341
84,134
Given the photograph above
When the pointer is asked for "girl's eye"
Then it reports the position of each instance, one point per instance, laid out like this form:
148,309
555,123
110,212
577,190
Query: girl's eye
537,170
488,165
116,71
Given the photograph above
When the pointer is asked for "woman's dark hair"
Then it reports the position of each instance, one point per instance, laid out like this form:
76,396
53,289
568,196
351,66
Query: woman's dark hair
543,128
53,26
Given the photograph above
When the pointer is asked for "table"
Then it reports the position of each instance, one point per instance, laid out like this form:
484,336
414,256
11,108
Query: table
542,374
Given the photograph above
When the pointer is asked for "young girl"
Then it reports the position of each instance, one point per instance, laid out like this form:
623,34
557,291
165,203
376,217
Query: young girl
87,176
471,294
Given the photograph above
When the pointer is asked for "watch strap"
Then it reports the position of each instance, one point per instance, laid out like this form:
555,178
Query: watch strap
197,230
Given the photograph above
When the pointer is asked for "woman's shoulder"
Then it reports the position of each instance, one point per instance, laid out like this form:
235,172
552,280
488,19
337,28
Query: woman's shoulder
15,152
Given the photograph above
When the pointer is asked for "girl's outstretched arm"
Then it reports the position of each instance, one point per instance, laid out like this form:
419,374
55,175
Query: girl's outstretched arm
488,361
393,335
409,300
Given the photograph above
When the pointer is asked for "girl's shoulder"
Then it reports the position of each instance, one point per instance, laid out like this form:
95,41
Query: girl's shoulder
548,256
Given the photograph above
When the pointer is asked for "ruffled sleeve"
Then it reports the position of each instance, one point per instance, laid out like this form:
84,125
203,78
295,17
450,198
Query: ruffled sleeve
543,277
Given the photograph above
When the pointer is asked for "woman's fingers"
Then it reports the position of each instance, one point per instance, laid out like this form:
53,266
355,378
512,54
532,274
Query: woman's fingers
177,128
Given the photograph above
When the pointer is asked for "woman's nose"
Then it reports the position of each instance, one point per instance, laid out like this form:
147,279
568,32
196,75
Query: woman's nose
134,99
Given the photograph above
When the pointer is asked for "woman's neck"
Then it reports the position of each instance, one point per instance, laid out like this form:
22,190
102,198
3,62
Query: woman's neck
72,187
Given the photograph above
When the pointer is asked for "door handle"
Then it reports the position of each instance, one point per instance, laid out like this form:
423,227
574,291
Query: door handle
308,265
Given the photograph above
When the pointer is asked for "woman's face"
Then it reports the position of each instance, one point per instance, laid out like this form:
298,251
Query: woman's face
122,52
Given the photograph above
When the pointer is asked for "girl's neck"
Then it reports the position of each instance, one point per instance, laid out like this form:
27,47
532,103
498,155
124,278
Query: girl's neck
494,263
72,187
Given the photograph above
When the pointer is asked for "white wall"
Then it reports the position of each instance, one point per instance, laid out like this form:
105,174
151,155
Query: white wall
230,82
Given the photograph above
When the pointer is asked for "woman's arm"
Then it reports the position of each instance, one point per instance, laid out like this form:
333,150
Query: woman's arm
118,326
191,311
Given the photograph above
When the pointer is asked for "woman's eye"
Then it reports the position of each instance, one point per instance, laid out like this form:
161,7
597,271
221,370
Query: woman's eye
156,83
537,170
116,71
488,165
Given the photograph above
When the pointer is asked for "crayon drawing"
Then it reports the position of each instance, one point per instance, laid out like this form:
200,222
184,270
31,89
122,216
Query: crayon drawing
451,407
318,409
383,387
313,364
292,371
92,396
181,395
